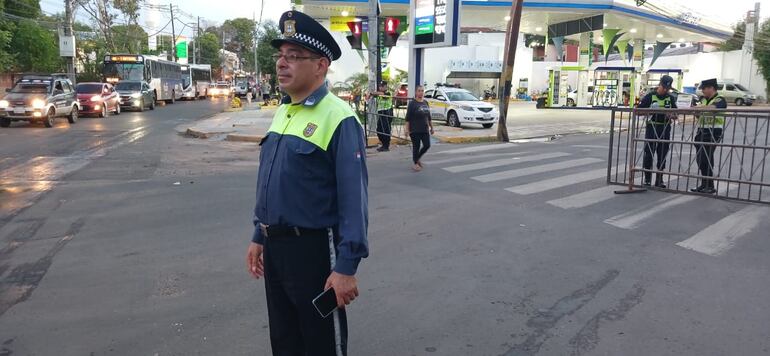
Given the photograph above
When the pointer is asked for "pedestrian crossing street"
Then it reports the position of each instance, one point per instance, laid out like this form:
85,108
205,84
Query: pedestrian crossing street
569,180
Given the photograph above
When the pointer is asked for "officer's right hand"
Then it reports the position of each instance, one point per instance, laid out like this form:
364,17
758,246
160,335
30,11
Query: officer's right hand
254,260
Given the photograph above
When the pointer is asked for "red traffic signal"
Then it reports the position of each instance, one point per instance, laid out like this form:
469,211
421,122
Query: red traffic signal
355,28
391,25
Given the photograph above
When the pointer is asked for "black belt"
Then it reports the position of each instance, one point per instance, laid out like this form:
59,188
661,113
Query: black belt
286,230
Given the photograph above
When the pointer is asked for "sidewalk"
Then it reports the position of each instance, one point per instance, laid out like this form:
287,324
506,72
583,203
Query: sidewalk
524,121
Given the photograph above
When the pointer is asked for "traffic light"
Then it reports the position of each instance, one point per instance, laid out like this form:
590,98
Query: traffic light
355,34
391,31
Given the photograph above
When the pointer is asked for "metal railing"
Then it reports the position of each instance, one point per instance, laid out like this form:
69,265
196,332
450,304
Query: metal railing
740,162
373,120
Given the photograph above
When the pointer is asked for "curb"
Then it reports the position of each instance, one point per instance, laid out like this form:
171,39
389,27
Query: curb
192,132
243,138
465,139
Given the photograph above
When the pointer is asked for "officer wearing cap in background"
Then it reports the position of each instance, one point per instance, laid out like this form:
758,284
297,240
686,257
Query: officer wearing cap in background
311,212
658,128
384,115
709,131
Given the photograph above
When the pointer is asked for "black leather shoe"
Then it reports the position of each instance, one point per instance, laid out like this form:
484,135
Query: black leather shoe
646,184
660,185
697,190
708,190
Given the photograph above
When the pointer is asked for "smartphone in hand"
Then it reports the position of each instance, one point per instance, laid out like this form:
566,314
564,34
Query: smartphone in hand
326,302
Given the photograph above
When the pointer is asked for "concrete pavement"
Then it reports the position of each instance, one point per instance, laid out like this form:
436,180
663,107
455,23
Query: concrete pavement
141,251
524,121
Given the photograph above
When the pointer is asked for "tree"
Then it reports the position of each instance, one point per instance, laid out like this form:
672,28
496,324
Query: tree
36,46
239,36
130,39
208,47
129,8
762,53
6,30
24,8
268,32
735,42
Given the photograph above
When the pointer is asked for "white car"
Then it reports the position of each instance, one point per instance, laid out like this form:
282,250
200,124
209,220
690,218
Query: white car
457,106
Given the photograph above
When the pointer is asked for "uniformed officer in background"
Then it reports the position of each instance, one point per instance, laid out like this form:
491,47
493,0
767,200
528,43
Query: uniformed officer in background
384,100
658,128
709,131
311,212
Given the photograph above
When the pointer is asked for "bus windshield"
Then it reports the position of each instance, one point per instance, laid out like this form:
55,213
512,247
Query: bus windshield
186,81
124,71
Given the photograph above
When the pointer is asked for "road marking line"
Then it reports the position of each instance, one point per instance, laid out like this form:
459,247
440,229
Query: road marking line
496,146
558,182
481,156
585,199
514,173
722,235
504,162
633,219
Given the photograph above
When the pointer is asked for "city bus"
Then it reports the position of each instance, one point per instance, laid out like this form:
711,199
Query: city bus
196,79
164,77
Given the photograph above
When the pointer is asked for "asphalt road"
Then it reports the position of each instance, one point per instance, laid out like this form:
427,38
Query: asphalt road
492,250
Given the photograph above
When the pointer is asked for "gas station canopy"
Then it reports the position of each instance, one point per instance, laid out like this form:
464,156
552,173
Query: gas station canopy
666,22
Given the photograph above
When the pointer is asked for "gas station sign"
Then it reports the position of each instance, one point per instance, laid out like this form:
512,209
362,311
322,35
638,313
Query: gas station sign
436,23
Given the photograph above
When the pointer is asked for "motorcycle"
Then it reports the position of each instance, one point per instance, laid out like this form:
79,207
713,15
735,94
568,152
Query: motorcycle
490,93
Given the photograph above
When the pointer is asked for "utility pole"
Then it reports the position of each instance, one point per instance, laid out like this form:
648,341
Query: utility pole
373,69
71,68
509,58
256,39
224,68
197,38
173,33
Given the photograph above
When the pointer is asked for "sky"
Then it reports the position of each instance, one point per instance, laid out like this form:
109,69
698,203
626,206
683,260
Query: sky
217,11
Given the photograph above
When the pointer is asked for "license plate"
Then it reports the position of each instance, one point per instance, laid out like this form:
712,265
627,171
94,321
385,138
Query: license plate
18,110
487,116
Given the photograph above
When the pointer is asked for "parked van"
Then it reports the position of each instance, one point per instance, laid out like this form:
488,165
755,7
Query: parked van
734,93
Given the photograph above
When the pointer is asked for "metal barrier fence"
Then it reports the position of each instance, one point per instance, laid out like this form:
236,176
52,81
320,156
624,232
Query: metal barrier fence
741,158
375,121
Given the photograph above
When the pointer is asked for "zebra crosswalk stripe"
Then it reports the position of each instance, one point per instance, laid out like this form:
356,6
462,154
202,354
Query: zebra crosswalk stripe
558,182
472,149
514,173
585,199
504,162
718,238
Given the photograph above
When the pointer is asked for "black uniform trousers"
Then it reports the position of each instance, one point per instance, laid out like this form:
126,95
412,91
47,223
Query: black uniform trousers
656,131
384,122
706,153
296,269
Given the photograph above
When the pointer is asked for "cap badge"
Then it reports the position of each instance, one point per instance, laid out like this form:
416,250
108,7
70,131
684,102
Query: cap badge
289,28
309,130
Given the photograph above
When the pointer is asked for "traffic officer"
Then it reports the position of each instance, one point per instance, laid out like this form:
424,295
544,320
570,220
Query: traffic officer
311,214
384,100
709,131
658,128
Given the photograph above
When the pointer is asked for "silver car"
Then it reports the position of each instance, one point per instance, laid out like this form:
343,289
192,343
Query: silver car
734,93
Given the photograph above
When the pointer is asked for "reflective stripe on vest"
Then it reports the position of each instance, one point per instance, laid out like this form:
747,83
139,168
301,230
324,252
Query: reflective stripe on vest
384,103
657,102
315,124
711,120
